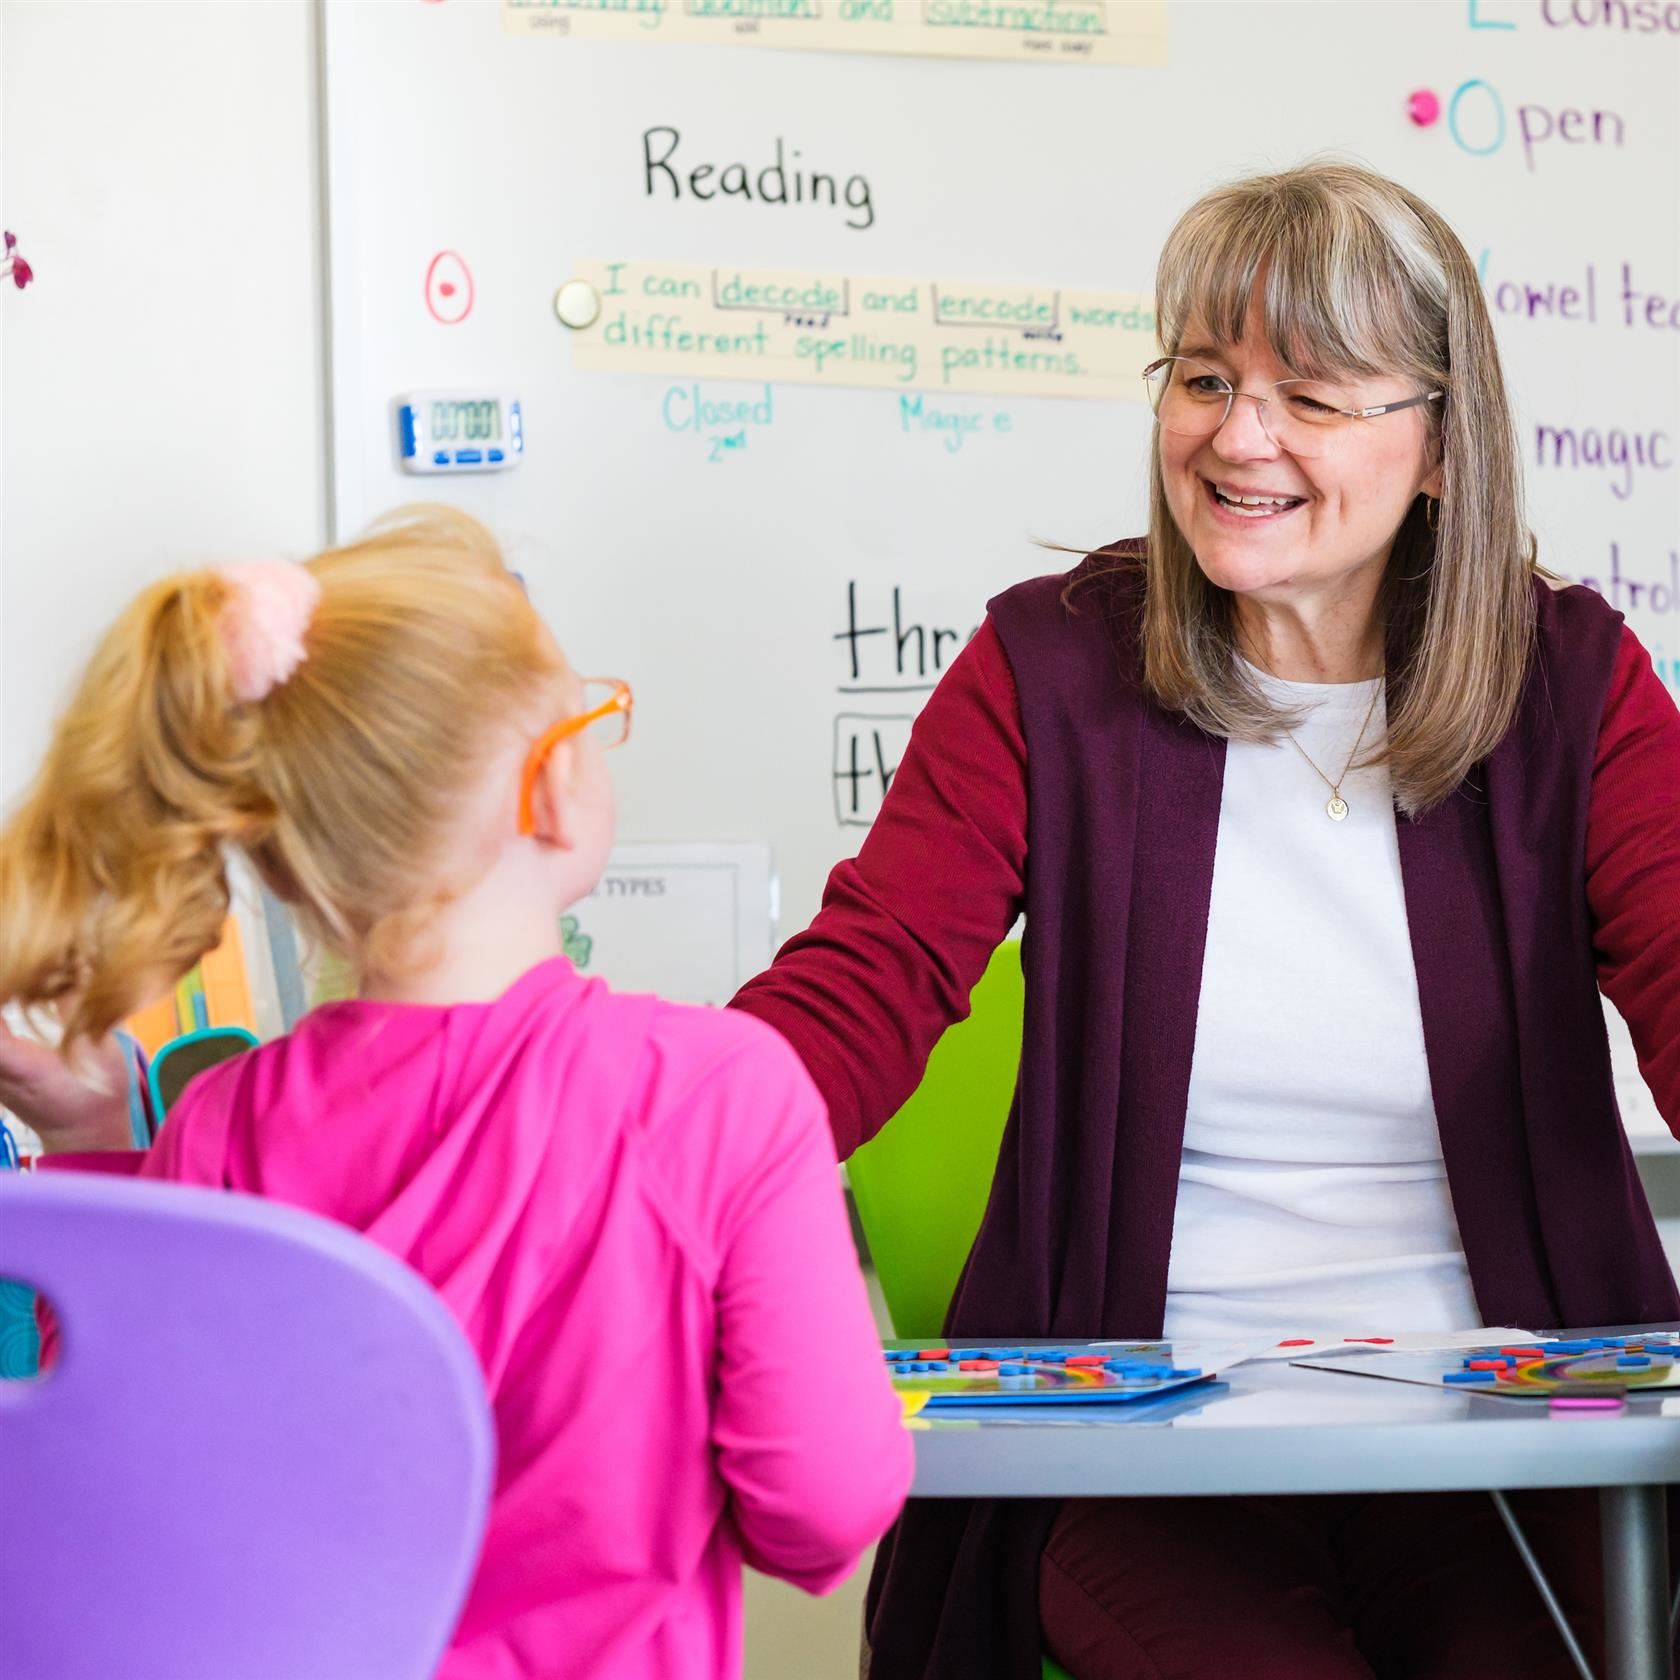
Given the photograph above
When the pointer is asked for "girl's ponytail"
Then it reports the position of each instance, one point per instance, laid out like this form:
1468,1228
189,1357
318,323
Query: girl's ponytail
324,718
112,875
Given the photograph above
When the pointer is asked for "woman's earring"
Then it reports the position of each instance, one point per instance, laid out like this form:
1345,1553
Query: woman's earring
1431,508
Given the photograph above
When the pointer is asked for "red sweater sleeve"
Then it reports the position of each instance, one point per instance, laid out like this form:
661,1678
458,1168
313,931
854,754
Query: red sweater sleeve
907,927
117,1163
1633,867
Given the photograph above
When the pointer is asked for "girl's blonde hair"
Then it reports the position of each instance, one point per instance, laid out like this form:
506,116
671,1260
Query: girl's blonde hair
1356,275
339,784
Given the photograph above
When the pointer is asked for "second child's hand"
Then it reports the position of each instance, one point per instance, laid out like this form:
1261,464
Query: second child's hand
68,1111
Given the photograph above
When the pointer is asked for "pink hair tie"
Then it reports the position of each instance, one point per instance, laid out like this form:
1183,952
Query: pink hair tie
263,621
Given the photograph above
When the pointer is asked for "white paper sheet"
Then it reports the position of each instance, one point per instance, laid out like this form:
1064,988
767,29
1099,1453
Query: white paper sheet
1415,1341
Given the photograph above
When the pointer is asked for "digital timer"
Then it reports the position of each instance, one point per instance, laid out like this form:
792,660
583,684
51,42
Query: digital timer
449,431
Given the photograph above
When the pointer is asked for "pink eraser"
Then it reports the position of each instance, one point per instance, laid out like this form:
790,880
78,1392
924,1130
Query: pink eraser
1587,1403
1423,107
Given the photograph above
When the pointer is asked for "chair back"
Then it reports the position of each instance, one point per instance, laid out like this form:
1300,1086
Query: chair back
182,1059
920,1184
263,1450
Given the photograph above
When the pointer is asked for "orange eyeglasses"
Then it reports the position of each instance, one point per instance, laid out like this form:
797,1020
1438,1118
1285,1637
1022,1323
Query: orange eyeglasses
608,719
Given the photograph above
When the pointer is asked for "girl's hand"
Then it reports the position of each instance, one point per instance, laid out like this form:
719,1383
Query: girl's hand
68,1111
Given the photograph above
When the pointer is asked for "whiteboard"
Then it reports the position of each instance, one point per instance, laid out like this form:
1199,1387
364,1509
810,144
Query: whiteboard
723,579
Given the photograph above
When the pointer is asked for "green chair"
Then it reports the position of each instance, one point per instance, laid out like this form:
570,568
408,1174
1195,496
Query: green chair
920,1185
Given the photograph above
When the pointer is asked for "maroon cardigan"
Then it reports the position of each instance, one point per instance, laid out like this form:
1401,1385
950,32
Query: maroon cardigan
1123,810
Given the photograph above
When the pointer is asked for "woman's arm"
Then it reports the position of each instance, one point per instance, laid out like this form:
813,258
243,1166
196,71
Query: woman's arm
1633,867
907,927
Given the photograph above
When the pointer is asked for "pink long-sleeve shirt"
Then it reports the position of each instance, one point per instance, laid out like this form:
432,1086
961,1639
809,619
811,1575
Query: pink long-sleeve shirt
631,1208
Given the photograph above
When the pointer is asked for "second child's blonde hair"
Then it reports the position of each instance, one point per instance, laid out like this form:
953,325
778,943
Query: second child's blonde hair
340,784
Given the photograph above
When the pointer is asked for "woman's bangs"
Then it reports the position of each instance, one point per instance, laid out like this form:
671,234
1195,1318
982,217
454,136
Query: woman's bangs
1321,316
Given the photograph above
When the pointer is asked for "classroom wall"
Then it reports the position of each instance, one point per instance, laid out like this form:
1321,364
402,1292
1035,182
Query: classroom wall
161,396
160,383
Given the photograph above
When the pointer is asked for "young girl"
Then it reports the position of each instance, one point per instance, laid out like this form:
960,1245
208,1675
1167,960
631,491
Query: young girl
630,1206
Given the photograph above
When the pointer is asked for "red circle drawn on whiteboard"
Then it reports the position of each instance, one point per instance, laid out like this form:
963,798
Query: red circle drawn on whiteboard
449,289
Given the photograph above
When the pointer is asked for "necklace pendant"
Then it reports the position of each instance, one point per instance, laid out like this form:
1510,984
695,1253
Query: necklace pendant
1336,808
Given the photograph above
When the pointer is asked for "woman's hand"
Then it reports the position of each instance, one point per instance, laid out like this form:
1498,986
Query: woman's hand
69,1111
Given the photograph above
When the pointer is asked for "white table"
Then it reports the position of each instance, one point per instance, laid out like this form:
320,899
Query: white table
1274,1428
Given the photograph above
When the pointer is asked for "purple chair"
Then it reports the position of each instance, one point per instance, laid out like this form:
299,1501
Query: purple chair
264,1451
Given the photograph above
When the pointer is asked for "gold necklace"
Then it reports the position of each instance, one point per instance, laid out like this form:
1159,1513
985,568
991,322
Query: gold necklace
1336,808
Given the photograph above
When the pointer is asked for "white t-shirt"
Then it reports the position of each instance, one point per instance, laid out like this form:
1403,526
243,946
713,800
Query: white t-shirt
1312,1195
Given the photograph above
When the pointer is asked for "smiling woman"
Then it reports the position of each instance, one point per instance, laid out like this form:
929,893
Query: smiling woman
1377,407
1193,400
1327,814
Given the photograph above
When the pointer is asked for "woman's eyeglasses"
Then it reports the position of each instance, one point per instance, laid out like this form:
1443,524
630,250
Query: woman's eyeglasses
1303,416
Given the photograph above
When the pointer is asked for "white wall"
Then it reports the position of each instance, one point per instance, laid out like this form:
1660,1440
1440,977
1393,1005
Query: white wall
160,382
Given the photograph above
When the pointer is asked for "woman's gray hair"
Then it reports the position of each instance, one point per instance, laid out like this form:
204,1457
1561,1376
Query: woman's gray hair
1354,275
